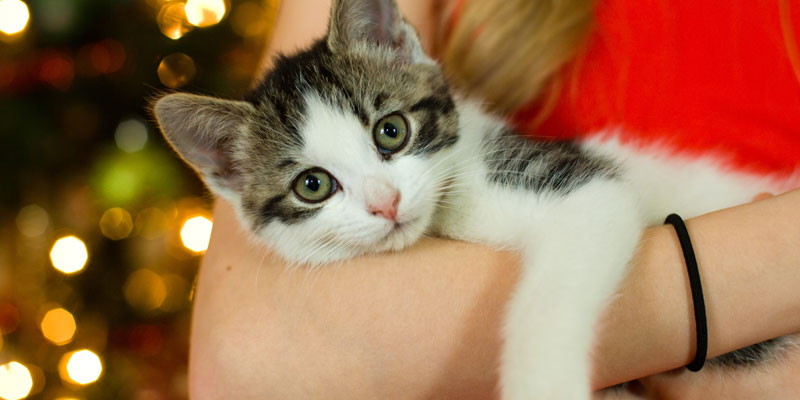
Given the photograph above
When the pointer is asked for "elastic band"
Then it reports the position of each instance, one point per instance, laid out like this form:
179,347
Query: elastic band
697,292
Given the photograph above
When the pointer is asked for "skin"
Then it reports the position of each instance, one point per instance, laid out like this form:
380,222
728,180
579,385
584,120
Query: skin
426,323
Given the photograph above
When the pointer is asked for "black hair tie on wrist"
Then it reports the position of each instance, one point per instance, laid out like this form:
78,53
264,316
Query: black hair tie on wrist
697,292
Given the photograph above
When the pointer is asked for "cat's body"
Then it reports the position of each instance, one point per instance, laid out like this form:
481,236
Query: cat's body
356,145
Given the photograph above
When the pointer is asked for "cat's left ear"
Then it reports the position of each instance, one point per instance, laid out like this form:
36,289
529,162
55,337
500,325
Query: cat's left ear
355,23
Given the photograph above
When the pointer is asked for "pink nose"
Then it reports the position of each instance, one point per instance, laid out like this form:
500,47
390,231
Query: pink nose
385,207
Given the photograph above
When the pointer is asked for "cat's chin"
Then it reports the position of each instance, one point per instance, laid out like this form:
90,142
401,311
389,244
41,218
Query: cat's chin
396,238
401,236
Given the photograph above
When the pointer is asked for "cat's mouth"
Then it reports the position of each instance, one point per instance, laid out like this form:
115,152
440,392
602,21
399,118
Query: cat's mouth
399,229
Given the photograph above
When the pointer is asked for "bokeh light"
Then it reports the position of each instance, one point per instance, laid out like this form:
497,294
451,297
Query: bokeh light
58,326
58,17
203,13
116,223
69,255
151,223
58,70
107,56
39,380
177,293
176,70
14,16
195,233
15,381
9,317
131,135
172,20
121,179
32,220
101,58
144,290
80,367
76,77
249,19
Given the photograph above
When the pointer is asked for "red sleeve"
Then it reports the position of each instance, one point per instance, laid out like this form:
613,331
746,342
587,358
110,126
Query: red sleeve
699,75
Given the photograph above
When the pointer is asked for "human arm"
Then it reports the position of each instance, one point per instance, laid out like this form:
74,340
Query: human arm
421,323
425,323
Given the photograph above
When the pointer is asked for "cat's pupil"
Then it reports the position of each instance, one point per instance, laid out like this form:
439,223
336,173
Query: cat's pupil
312,183
390,130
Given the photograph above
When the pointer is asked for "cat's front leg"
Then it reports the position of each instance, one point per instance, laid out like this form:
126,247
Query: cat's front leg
574,258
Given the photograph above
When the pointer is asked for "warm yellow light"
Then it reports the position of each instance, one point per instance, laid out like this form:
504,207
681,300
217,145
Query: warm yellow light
176,70
15,380
58,326
172,20
195,234
82,367
14,16
69,255
177,293
116,223
202,13
151,223
145,290
249,19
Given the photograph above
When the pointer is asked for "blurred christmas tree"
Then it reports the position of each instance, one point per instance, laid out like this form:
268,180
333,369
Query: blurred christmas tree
100,223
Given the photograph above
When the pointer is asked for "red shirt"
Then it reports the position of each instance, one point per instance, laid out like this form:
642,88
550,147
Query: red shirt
698,75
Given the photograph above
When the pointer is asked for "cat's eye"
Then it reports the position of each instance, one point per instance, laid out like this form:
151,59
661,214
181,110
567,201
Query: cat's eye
315,185
391,134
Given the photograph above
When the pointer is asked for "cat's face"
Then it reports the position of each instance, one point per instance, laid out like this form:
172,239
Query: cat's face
343,148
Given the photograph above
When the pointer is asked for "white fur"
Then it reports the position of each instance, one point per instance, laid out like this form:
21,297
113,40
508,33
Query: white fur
575,248
337,142
668,181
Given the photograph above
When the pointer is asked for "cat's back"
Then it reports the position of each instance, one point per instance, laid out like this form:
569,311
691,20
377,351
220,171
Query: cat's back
498,174
669,181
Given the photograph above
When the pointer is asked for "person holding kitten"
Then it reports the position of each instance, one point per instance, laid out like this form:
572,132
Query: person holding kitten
425,323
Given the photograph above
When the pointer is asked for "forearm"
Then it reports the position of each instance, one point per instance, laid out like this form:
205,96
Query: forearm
750,268
376,327
428,320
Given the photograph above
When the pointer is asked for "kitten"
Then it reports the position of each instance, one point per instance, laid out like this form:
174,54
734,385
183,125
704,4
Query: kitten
357,145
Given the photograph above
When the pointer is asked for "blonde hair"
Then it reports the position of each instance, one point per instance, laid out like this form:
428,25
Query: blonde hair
507,51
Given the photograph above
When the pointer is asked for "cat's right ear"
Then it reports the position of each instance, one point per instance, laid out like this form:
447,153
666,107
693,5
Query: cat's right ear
201,130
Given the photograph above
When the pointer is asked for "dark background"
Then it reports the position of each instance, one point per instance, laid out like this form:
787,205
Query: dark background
81,157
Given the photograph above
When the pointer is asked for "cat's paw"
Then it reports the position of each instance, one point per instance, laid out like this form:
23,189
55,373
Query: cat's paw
544,375
546,388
